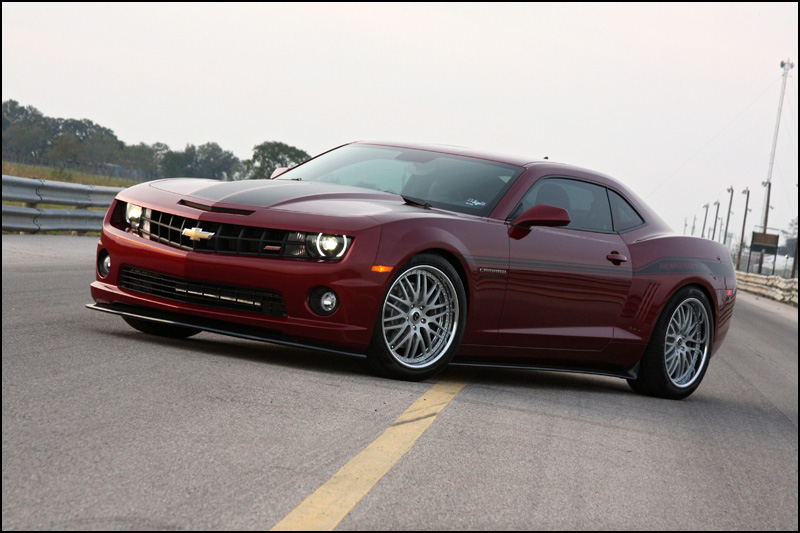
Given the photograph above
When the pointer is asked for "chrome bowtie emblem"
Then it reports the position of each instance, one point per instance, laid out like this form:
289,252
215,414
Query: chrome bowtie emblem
196,234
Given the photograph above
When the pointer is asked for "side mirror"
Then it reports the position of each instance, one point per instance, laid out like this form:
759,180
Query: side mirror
278,171
542,215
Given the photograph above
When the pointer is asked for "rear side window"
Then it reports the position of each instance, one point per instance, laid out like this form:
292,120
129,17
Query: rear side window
625,216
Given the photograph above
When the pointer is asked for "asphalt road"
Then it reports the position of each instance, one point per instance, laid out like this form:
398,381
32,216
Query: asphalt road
108,428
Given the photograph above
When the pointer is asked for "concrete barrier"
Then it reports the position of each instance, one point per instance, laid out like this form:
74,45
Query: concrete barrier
772,287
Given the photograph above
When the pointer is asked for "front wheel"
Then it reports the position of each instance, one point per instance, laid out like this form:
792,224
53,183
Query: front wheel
421,320
676,359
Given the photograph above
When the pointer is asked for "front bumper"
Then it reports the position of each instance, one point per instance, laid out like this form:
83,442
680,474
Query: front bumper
348,329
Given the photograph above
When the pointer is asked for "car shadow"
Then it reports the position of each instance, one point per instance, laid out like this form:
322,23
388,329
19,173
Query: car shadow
247,350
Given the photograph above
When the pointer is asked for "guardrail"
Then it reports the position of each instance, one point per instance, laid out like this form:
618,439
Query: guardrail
34,191
772,287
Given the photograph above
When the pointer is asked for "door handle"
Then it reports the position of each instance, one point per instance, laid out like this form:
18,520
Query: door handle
616,258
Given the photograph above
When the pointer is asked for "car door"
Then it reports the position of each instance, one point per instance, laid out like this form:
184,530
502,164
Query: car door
567,285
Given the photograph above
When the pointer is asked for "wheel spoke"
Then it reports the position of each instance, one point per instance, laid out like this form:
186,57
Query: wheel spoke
420,316
686,342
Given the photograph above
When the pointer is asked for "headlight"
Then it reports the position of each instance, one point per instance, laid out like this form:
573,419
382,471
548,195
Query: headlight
133,215
326,246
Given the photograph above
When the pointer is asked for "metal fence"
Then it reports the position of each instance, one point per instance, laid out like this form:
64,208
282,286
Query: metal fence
33,191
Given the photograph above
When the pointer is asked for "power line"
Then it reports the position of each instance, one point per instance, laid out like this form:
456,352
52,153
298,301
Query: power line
680,167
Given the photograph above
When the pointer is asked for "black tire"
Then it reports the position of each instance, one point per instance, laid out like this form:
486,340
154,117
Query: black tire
676,359
160,328
417,335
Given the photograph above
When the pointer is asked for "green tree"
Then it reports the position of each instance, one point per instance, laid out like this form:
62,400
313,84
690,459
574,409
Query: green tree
789,238
102,147
271,155
82,129
212,161
26,131
142,157
66,148
17,113
173,164
23,139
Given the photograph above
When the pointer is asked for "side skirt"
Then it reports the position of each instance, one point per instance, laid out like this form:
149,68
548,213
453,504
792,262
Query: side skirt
259,334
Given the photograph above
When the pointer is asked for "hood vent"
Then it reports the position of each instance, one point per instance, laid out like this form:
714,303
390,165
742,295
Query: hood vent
215,209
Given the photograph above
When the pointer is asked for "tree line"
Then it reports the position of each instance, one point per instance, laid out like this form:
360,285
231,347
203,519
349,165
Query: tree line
29,135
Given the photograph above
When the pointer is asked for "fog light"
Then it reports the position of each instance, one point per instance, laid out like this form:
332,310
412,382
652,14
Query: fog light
104,263
323,301
328,302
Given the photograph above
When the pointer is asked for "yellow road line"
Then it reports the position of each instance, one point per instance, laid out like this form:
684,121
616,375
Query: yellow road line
329,504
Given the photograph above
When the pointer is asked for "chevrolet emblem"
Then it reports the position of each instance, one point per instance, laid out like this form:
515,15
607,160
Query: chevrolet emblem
196,234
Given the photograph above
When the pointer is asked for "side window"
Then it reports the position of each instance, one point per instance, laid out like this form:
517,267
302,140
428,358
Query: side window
586,203
625,216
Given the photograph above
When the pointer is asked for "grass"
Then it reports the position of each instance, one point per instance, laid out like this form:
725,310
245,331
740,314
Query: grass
59,174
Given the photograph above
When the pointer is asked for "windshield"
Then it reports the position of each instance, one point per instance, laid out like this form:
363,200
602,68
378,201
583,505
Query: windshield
456,183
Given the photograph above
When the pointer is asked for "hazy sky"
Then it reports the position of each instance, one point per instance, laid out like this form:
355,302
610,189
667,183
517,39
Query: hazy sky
678,101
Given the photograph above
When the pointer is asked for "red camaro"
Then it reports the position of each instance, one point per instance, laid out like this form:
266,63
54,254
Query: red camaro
415,255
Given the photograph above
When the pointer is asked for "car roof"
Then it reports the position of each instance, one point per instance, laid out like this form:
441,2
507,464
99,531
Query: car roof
457,150
543,165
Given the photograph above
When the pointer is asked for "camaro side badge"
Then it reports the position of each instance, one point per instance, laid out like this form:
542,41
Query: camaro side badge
492,271
196,234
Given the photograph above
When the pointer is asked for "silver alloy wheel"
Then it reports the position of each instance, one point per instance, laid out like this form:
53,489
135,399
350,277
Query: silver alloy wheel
686,342
420,316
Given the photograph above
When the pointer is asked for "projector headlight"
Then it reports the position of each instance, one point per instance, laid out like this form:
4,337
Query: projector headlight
133,215
326,246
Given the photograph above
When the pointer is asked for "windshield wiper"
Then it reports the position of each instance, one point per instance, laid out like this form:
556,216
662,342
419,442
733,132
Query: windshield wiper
416,201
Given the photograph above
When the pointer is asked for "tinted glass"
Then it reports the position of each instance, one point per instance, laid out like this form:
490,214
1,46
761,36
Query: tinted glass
586,203
455,183
625,216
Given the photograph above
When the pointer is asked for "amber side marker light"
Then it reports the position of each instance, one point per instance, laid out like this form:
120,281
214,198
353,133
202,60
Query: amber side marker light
381,268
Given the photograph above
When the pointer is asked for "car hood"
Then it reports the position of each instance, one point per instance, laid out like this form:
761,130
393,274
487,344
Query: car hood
295,196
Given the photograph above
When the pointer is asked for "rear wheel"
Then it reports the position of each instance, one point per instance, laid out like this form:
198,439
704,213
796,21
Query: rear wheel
421,320
676,359
160,328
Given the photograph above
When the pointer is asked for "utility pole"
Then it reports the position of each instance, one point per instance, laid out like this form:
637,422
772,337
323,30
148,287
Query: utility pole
685,224
741,245
716,216
728,221
694,221
794,261
703,233
786,66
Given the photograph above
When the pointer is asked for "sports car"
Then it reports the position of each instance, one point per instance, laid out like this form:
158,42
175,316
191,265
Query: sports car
416,256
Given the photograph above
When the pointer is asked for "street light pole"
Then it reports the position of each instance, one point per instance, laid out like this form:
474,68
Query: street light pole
741,245
786,66
705,218
694,224
728,221
716,216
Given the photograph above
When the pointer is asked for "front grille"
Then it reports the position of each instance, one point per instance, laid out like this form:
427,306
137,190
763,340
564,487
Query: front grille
227,239
202,293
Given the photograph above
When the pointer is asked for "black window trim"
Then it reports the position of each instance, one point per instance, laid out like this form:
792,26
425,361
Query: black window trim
611,211
644,221
590,182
